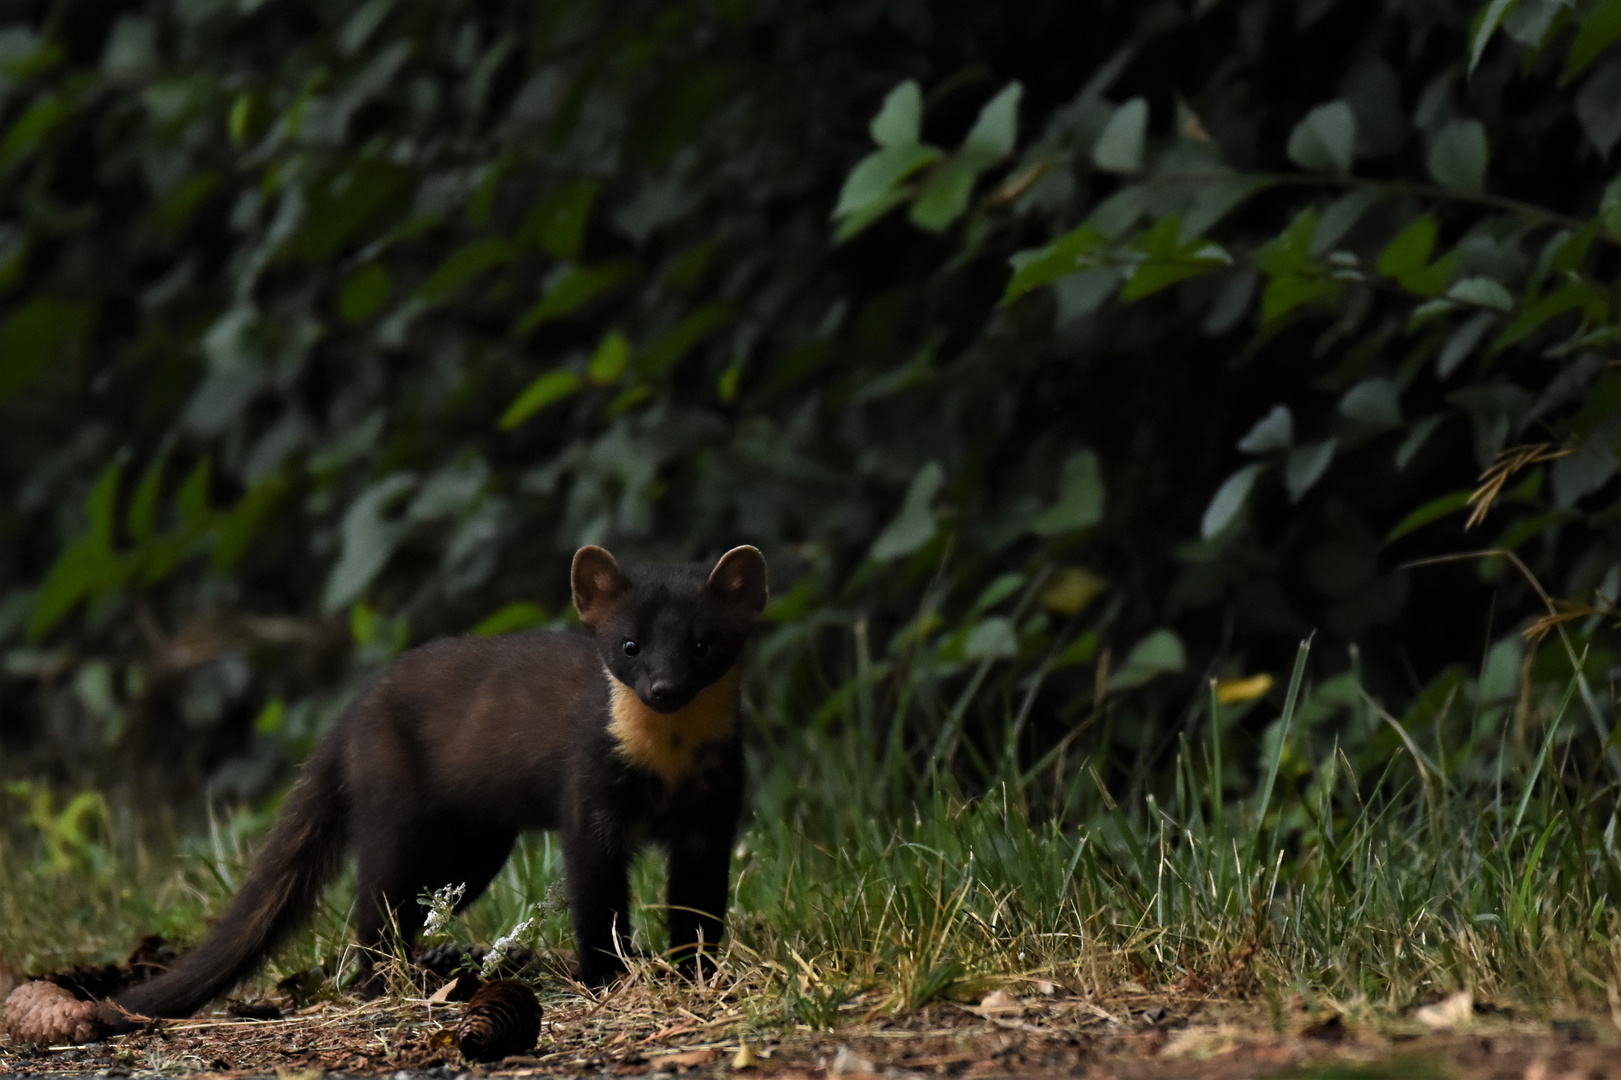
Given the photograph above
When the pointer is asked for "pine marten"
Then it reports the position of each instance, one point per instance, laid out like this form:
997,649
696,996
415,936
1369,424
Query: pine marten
617,740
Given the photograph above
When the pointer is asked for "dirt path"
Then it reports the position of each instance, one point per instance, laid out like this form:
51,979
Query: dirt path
654,1030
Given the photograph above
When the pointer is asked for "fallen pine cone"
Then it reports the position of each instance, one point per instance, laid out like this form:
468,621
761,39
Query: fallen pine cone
502,1019
45,1014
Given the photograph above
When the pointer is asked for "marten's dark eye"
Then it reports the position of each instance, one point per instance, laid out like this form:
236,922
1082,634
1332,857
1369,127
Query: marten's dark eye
630,647
700,649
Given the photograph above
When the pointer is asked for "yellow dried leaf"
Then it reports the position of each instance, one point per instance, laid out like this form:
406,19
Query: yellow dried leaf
1233,691
1071,589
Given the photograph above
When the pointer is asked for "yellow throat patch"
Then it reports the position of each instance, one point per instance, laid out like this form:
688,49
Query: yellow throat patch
667,742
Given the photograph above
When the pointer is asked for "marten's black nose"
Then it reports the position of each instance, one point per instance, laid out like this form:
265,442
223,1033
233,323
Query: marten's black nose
661,693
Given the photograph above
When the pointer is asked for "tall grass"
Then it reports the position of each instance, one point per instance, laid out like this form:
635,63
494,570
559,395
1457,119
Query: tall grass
1348,855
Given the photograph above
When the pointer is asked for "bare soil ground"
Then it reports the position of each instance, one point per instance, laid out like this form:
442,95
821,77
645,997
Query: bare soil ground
656,1030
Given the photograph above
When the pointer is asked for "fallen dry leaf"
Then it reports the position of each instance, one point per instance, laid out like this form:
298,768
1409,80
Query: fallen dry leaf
686,1059
1000,1003
1450,1012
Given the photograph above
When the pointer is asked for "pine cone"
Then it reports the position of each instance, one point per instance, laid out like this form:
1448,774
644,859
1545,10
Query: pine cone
502,1019
45,1014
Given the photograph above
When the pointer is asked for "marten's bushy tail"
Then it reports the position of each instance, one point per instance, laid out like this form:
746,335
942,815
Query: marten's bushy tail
300,856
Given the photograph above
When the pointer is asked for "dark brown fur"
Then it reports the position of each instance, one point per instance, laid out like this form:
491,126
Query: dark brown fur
432,773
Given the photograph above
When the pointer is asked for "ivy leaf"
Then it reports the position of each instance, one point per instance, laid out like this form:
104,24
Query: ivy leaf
1080,498
1598,33
900,119
1610,208
1373,402
1306,466
996,131
1490,18
1074,251
915,524
1458,155
873,187
548,388
364,294
608,363
1274,431
465,264
1160,653
1170,259
1120,145
573,288
1325,140
369,539
1229,499
1482,292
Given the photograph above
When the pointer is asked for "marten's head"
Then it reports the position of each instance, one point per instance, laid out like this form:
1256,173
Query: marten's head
667,630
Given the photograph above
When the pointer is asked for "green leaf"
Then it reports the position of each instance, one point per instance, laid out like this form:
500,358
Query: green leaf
1160,653
1491,17
1229,499
1294,277
1598,33
1458,155
1325,140
1274,431
43,332
364,294
89,566
1170,259
681,338
142,516
238,525
340,204
463,265
1407,259
873,187
1568,297
1482,292
557,224
1374,402
47,113
1434,510
915,524
1306,465
991,639
608,363
945,196
1080,498
573,289
1073,251
1120,145
271,718
900,120
548,388
992,138
996,132
520,615
1410,252
177,206
369,539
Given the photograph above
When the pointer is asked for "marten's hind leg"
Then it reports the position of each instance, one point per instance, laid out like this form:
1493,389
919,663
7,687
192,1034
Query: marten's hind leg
398,862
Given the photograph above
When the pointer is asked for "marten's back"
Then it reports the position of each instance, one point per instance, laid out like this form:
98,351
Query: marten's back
484,727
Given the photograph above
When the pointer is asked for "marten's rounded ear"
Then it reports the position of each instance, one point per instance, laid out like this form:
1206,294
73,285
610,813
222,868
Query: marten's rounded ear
598,583
739,578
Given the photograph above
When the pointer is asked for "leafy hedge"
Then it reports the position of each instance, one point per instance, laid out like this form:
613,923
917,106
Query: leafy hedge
1126,345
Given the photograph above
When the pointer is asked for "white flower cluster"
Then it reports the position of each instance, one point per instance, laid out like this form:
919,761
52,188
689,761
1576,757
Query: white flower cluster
442,909
503,945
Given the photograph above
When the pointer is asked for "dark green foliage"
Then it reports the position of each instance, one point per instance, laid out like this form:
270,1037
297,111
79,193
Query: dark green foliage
333,327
